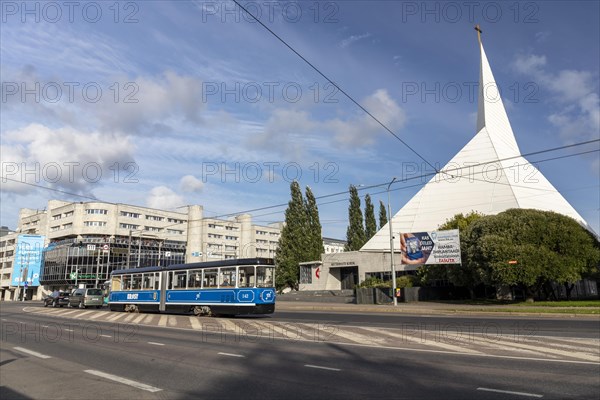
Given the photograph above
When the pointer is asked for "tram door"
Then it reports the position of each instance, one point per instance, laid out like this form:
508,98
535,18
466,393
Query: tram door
164,276
349,277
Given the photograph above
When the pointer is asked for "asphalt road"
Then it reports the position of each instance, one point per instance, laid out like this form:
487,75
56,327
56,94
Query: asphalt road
558,326
161,362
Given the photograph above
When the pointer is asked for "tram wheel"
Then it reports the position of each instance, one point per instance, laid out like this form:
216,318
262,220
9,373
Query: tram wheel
132,308
200,311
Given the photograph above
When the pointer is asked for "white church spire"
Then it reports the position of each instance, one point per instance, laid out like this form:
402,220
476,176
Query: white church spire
491,113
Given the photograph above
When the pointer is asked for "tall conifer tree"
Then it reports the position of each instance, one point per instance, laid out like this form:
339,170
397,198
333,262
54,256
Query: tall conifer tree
293,241
315,238
355,234
370,223
382,215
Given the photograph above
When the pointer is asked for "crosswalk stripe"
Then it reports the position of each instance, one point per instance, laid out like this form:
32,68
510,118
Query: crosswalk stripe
196,325
544,349
115,317
162,321
425,342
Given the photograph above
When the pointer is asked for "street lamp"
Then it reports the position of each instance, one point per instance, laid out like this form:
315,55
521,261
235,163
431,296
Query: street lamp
392,245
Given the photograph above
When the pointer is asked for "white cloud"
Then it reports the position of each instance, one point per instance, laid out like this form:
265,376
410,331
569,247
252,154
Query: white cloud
190,183
574,91
353,38
162,197
63,158
288,130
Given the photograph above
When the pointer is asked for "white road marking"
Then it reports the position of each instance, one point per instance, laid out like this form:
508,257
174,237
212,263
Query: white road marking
510,392
319,367
31,352
195,324
232,355
105,335
124,381
138,319
114,317
163,320
156,343
96,315
82,314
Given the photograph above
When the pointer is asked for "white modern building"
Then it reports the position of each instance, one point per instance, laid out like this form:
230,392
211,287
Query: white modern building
488,176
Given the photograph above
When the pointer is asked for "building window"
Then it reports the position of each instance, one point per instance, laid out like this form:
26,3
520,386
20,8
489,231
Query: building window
54,228
175,231
96,211
129,214
55,217
214,236
231,228
152,229
94,223
175,221
67,226
68,214
128,226
154,218
231,237
306,274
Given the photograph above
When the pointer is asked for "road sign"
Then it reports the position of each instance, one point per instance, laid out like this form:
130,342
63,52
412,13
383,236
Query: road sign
91,247
105,247
167,254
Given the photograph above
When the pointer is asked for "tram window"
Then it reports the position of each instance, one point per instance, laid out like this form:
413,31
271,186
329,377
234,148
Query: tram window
195,278
246,276
180,280
264,276
171,280
115,284
156,281
147,281
126,283
136,282
227,277
210,278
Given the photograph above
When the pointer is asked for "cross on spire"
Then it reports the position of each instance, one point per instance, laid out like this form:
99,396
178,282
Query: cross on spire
479,32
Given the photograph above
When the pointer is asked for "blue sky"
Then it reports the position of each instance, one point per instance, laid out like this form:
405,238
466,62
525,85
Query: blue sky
165,104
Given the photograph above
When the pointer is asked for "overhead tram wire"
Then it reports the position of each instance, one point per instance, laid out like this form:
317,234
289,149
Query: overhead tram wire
415,185
336,86
360,188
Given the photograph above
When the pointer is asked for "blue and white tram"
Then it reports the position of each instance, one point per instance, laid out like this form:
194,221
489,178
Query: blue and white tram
227,287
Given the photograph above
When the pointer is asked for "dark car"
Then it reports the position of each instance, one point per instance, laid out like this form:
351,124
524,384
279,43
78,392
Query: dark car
57,299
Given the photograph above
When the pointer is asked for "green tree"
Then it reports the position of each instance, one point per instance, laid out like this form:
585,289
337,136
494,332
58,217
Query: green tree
383,219
293,241
355,234
547,247
370,223
315,238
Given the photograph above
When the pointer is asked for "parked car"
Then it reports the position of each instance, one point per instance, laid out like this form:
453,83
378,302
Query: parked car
83,298
57,299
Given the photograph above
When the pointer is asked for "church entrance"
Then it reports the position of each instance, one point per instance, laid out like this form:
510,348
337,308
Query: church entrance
349,277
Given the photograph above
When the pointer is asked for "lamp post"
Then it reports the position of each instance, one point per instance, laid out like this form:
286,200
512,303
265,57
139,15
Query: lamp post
392,245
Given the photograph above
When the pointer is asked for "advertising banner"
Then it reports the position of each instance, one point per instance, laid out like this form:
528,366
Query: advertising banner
28,260
438,247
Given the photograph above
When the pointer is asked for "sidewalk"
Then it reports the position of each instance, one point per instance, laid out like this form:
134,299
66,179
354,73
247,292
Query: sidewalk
433,308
